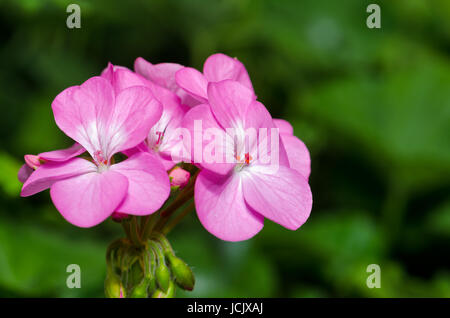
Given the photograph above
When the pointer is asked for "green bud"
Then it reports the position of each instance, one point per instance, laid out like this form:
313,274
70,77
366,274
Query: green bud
162,274
140,291
169,294
182,272
114,287
150,269
135,273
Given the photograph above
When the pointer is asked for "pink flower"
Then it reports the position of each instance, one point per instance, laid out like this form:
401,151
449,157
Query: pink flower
217,67
296,150
163,75
104,123
32,162
232,199
163,139
220,67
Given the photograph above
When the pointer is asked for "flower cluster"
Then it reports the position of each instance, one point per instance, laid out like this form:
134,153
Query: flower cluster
164,133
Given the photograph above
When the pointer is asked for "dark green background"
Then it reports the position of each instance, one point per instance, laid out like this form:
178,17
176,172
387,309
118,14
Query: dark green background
372,105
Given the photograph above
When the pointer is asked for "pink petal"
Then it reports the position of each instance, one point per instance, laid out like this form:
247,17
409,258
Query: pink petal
198,146
88,199
282,196
162,74
148,184
219,67
47,174
229,102
24,173
259,118
82,112
167,163
193,82
165,134
64,154
122,78
298,154
221,208
142,147
135,112
109,72
284,126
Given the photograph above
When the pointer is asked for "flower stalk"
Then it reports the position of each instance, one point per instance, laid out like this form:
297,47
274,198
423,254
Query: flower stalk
143,264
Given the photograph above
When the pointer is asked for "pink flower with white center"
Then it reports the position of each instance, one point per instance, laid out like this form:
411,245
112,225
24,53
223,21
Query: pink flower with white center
164,138
163,75
104,123
296,150
232,199
217,67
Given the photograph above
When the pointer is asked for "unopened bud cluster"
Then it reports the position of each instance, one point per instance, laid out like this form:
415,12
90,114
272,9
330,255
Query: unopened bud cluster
152,270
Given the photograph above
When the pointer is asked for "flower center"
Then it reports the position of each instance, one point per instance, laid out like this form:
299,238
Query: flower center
243,163
100,159
158,141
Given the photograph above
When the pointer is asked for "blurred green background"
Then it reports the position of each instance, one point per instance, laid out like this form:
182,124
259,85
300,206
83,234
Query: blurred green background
372,105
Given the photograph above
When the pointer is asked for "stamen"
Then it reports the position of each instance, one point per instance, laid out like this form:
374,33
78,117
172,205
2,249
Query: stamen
99,158
248,158
241,164
160,137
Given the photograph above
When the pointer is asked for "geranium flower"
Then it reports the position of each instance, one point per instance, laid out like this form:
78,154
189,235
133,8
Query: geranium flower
164,138
217,67
86,192
232,199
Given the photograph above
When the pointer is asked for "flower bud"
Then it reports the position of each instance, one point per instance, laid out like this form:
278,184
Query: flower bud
150,268
32,161
178,177
182,272
135,273
169,294
140,291
113,286
162,272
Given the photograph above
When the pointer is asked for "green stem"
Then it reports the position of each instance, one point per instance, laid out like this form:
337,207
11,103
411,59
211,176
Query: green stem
178,203
126,228
149,224
178,218
134,231
163,241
